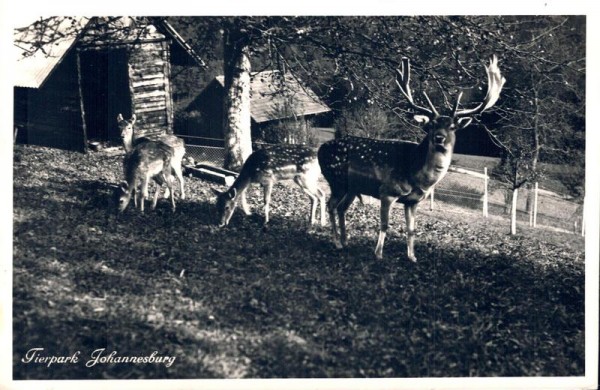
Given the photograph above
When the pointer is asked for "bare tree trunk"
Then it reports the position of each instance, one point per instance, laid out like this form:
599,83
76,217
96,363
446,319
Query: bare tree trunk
236,121
536,144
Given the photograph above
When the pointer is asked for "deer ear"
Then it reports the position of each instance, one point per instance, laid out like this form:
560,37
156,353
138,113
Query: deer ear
124,186
423,119
232,193
464,122
119,118
133,119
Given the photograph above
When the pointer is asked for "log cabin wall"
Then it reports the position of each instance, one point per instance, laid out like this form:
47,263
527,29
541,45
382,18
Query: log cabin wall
149,83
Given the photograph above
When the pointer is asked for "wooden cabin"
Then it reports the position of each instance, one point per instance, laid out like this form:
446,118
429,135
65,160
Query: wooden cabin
274,101
74,75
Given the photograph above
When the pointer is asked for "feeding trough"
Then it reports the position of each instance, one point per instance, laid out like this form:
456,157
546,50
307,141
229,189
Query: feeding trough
208,172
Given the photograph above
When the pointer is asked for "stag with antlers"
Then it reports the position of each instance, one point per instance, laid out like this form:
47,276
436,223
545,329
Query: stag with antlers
397,170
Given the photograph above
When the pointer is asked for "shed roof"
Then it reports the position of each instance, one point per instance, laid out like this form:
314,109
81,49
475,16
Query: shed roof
275,97
34,66
41,46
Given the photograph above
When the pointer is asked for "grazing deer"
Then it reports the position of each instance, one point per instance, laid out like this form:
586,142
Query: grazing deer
395,170
175,143
148,160
268,166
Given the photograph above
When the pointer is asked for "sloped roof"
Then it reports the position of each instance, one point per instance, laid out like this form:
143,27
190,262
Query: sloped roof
57,35
275,97
34,66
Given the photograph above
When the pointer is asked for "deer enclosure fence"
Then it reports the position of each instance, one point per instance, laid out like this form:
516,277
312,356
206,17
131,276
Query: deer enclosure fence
462,188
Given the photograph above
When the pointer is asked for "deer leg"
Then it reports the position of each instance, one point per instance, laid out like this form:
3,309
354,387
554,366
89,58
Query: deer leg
386,206
156,194
321,196
167,190
409,213
309,190
144,193
170,189
179,174
268,188
159,181
331,207
135,197
342,207
244,202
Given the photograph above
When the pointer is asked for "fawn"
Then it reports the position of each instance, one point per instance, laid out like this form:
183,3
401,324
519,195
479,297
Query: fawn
176,144
268,166
148,160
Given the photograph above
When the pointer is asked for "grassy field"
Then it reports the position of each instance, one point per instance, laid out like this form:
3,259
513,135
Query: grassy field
282,301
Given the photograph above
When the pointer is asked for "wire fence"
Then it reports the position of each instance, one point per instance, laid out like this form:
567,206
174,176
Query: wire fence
551,209
204,150
461,186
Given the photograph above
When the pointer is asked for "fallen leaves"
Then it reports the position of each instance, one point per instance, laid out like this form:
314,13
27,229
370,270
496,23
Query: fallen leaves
243,301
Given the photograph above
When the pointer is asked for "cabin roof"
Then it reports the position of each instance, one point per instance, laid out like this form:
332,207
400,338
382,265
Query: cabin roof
41,46
275,97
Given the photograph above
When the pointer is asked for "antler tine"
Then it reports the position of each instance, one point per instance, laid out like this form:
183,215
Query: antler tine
433,110
455,109
403,81
495,83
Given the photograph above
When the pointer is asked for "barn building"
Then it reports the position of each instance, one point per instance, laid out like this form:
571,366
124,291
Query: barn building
274,101
74,75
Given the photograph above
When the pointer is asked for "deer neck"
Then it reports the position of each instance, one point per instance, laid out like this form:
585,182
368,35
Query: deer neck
242,182
435,163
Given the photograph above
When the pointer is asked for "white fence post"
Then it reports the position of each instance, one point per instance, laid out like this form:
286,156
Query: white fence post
535,203
485,193
513,213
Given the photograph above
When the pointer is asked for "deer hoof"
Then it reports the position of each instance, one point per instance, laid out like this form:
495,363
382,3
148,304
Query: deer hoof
412,258
338,245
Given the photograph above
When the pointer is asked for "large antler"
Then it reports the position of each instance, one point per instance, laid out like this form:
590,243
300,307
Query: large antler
403,81
495,82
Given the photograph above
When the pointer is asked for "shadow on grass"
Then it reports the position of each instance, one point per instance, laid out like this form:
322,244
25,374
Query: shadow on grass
244,301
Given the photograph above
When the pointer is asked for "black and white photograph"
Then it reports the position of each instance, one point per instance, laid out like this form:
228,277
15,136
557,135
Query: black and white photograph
325,199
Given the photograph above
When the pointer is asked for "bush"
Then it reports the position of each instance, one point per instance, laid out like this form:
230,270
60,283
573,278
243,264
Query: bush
368,121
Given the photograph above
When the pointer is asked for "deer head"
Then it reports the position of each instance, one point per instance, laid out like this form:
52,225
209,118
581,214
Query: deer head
124,196
226,203
441,128
126,131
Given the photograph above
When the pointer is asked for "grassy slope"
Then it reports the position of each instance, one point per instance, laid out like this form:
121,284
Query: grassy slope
280,302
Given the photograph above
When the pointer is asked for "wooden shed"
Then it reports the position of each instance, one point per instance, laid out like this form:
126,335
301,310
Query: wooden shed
274,98
74,75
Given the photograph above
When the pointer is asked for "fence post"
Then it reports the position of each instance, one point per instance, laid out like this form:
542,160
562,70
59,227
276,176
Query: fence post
431,198
535,202
513,213
485,193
